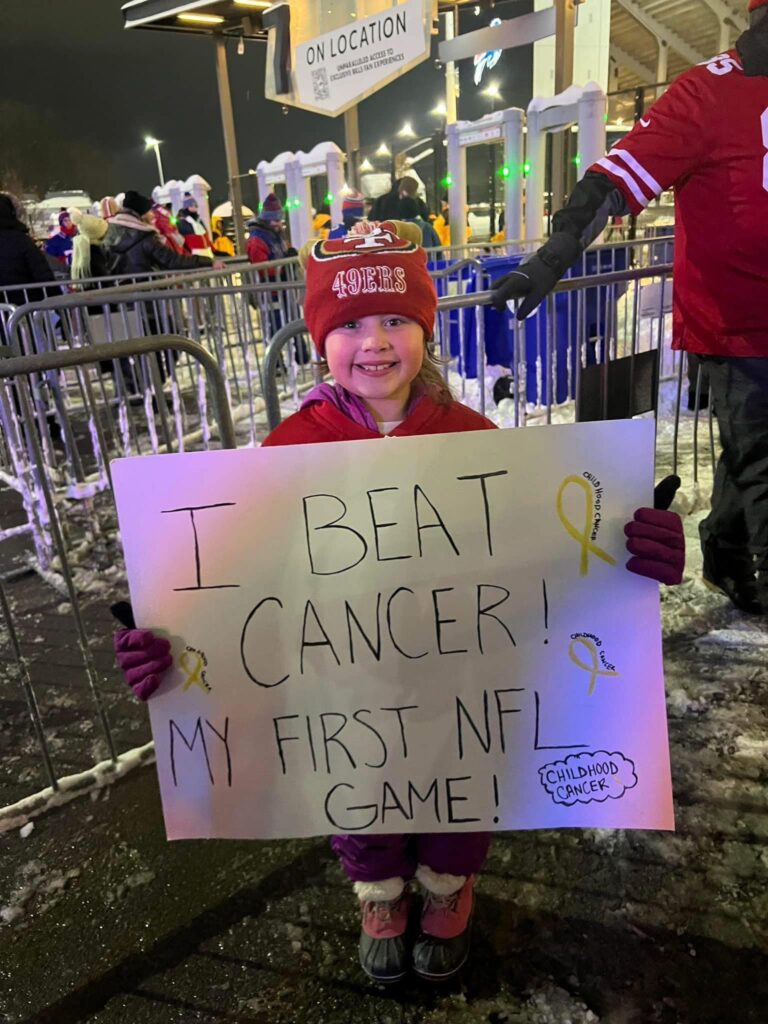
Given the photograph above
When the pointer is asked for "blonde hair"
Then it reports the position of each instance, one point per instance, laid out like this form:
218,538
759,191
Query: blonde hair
432,376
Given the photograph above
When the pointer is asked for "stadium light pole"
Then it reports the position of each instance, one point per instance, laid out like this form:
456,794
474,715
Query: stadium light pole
152,143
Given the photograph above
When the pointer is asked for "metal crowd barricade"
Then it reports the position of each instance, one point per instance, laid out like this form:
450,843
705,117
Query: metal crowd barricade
131,404
128,402
599,347
17,375
242,270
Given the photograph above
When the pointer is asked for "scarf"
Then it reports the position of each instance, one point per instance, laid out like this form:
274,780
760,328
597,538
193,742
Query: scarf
352,405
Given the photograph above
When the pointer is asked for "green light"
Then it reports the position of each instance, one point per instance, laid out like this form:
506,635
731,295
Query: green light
526,169
504,172
577,160
329,197
447,181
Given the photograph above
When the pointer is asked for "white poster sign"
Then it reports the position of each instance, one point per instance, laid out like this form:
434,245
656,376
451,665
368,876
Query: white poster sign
361,50
425,634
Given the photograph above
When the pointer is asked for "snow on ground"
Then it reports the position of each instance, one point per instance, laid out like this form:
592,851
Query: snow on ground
707,884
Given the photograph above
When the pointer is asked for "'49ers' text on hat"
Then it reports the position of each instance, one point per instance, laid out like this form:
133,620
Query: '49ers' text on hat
367,275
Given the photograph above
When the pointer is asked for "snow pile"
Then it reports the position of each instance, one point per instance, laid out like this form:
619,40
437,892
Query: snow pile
35,884
71,786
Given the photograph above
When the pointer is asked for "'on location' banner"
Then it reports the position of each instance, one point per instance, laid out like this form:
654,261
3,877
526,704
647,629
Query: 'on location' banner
423,634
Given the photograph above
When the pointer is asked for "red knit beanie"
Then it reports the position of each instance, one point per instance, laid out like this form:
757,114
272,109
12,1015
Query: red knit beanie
754,4
367,275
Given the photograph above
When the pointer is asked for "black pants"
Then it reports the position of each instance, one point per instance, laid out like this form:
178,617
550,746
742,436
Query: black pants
694,362
739,516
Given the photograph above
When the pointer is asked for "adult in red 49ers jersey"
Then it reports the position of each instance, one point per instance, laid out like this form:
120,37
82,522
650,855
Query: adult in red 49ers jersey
708,138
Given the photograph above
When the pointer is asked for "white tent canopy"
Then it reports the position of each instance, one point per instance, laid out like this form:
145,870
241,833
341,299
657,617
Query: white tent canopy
225,210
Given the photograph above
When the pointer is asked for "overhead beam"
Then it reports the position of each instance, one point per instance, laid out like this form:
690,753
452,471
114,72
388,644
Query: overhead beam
626,60
726,15
662,31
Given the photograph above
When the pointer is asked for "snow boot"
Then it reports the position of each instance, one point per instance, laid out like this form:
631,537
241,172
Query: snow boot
443,945
731,573
385,908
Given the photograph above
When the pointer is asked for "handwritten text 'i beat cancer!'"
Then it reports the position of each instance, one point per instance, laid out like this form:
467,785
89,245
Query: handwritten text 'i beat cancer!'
424,634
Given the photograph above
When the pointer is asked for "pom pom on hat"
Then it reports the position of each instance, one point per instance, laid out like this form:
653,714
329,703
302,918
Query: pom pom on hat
137,203
366,275
754,4
352,204
271,208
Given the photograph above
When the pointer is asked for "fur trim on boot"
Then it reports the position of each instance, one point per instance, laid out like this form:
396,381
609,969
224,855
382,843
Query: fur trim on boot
386,891
437,884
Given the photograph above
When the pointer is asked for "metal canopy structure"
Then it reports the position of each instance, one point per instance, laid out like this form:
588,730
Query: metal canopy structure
229,17
656,40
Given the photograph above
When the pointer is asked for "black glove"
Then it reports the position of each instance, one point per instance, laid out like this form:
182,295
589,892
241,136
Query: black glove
664,493
290,251
535,278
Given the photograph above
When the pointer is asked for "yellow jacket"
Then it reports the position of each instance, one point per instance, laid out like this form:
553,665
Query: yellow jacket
321,225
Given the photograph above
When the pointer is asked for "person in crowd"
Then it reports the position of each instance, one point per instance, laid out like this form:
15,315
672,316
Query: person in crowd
170,234
108,207
88,255
442,224
133,244
196,238
409,212
60,243
387,207
21,262
321,222
222,243
500,235
266,233
267,243
352,211
704,138
377,344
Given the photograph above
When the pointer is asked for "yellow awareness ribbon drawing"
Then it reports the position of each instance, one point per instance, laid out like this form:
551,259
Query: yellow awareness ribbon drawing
594,669
192,663
582,536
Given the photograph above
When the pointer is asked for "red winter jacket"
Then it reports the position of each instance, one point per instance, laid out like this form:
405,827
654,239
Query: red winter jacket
322,421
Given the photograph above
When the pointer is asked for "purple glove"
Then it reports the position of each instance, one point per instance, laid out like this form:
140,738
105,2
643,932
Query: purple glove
143,658
656,539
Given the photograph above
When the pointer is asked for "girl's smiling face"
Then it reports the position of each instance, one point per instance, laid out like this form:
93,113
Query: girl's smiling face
377,358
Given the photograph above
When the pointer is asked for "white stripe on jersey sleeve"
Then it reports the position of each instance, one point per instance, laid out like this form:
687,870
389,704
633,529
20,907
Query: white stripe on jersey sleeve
640,171
625,175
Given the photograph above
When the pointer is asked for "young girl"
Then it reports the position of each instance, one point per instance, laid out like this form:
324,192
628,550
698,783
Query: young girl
370,307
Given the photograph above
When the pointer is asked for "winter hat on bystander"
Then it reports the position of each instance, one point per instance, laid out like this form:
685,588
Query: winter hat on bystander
91,231
136,203
367,275
272,208
353,204
108,207
754,4
93,228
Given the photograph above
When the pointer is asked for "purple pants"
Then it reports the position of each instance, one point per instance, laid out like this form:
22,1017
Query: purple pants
370,858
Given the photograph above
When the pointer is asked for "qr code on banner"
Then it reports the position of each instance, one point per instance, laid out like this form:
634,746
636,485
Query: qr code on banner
320,83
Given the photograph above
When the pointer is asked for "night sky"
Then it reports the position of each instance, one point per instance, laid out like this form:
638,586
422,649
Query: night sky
79,94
